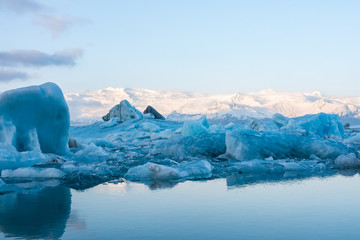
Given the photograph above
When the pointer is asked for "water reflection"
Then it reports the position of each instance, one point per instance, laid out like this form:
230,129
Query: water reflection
44,212
35,214
246,179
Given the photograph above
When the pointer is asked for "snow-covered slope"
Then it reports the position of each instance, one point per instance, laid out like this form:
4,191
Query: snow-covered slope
91,105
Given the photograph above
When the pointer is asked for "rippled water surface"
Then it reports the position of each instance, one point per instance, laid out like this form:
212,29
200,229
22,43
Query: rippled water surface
229,208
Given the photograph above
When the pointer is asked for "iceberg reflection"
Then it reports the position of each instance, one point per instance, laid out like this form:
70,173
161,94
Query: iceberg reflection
239,179
35,214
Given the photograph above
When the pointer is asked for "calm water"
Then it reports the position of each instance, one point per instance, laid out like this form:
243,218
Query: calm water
312,208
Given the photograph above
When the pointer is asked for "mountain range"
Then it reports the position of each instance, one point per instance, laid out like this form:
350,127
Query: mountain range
87,106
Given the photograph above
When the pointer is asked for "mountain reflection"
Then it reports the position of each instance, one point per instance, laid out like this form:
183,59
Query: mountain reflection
35,214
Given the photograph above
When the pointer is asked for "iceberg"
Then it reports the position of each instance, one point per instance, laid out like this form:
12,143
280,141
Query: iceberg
201,145
187,170
250,144
124,111
349,160
92,153
280,120
194,127
149,127
35,118
152,111
322,125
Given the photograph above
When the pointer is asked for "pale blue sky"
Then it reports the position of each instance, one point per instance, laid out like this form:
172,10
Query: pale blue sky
193,45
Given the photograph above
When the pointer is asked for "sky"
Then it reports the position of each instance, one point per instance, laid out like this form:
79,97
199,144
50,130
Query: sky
202,46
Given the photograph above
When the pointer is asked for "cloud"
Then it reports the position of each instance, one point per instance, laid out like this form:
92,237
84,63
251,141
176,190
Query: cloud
34,58
56,24
7,75
21,6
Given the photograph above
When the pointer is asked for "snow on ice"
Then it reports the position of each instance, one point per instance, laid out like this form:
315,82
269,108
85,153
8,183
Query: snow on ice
136,146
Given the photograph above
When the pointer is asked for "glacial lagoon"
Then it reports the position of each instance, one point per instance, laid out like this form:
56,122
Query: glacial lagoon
236,207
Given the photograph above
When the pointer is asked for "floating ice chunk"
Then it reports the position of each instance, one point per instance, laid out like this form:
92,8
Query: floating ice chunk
152,111
91,153
194,127
32,173
354,139
179,130
257,166
195,169
40,116
292,127
216,129
292,166
10,158
166,134
272,166
93,150
150,127
153,171
247,145
323,125
112,122
349,160
280,120
103,143
148,116
124,111
201,145
204,121
320,167
229,126
2,183
263,125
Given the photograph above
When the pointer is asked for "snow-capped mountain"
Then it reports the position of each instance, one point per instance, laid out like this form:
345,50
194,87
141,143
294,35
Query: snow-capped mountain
92,105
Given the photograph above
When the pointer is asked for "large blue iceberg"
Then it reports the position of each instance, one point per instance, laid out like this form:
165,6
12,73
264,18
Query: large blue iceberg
35,118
